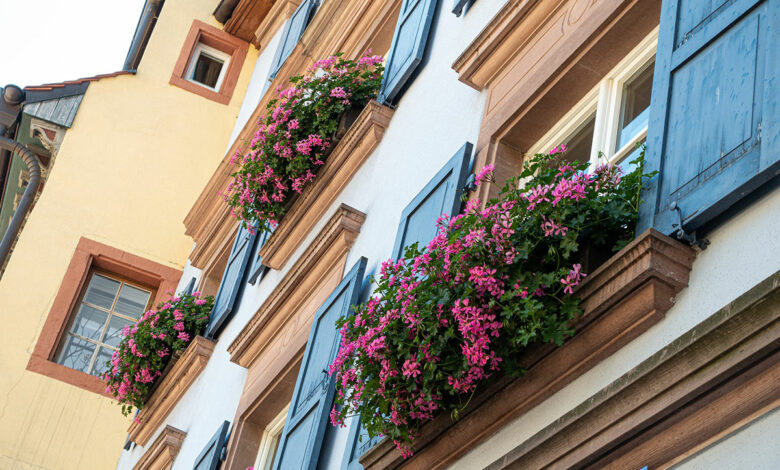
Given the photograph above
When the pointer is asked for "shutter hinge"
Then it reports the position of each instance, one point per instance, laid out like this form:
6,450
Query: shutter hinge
471,183
681,234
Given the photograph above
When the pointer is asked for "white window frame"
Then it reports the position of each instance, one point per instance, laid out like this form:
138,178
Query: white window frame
201,48
271,435
605,100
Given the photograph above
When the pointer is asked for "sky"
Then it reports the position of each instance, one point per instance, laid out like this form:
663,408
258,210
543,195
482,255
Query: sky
44,41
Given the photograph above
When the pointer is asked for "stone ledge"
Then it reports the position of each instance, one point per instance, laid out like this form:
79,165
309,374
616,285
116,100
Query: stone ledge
621,300
171,389
327,250
163,450
348,156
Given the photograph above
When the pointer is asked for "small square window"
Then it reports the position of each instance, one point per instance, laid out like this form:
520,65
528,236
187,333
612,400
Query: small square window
207,66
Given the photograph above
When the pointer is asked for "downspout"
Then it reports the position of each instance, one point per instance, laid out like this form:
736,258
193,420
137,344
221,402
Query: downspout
14,96
143,31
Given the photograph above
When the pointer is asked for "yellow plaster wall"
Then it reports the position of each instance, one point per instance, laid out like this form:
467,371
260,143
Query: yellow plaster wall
136,158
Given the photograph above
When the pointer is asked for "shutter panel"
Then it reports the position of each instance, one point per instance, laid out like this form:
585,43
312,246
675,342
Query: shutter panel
190,286
459,5
257,270
358,443
408,47
211,455
293,30
307,420
231,280
440,196
713,132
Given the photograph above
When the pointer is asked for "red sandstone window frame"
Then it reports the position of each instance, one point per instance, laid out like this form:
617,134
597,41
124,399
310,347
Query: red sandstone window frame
88,257
203,33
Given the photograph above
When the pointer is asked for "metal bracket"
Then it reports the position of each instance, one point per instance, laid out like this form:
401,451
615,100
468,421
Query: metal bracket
471,183
681,234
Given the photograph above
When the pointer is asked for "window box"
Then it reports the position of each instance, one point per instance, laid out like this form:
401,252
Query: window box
171,387
620,300
352,150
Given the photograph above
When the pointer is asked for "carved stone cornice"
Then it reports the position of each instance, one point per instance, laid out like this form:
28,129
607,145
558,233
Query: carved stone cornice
328,248
171,389
348,26
163,451
621,300
347,157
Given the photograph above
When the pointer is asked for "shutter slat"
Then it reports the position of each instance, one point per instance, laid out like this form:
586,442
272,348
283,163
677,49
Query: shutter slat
408,47
307,420
211,454
713,119
293,30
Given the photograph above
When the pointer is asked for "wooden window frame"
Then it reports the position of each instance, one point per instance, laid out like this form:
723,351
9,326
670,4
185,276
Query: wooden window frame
234,48
201,48
605,99
89,256
271,438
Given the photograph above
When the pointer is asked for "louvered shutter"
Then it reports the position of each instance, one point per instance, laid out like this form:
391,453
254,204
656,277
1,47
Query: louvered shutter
190,286
440,196
307,420
293,30
408,47
231,280
713,133
211,455
257,270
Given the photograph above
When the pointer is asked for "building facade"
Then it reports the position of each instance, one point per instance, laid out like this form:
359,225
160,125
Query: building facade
107,222
676,362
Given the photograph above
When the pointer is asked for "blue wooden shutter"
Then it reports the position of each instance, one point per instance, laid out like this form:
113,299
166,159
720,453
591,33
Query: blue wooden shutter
713,133
212,453
358,443
190,286
307,420
257,270
408,47
293,30
459,5
231,280
440,196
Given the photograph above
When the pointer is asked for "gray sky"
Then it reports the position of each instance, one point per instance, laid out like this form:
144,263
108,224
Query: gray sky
43,41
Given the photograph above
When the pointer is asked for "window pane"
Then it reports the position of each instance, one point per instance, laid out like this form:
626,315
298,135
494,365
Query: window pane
89,322
114,333
103,356
207,70
77,353
101,291
635,106
132,301
579,144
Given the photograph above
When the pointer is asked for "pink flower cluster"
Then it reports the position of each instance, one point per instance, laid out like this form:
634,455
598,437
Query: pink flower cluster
294,138
147,346
448,316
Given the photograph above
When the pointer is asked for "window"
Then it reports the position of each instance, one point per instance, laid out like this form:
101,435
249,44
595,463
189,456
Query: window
209,62
102,290
106,306
208,66
612,118
270,441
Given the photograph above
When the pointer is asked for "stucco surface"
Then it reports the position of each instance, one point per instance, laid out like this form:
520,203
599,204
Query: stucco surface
137,156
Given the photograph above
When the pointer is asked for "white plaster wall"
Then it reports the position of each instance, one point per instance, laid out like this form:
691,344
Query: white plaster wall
744,251
754,447
257,86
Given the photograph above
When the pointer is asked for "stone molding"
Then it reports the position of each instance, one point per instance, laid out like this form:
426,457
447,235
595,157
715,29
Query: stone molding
621,300
329,248
163,451
171,389
348,156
